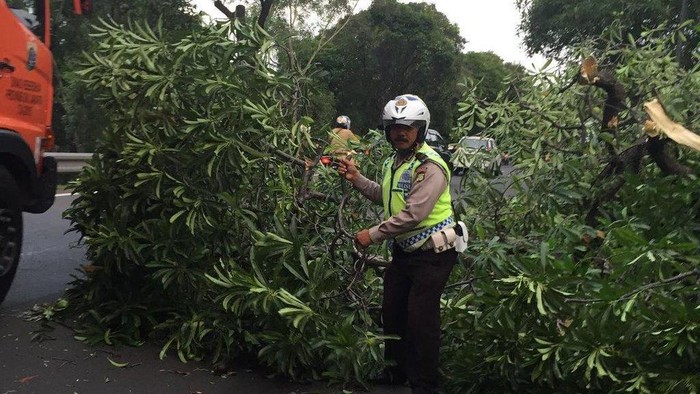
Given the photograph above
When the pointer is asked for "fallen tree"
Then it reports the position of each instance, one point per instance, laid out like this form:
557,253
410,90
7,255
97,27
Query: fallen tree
207,232
583,269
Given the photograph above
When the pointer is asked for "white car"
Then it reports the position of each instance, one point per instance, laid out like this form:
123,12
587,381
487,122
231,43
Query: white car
476,152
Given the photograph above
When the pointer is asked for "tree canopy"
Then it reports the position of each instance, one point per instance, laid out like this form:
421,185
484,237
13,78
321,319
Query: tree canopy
551,26
585,279
390,49
489,71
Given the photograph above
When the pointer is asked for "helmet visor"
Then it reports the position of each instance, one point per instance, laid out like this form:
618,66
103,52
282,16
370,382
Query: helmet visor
386,123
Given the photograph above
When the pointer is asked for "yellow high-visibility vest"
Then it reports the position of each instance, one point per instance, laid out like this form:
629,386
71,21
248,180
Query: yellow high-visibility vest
397,183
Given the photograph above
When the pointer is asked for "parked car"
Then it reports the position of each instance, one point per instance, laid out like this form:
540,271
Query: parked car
477,152
435,140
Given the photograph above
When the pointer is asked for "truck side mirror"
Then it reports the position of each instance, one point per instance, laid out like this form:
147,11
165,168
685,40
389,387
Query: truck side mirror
82,7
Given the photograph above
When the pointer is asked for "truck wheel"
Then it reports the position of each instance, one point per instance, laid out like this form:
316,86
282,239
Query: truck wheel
10,231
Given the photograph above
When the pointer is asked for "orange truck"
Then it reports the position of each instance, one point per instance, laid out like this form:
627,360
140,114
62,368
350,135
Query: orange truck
27,177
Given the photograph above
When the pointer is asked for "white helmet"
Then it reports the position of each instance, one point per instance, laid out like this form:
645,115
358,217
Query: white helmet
407,109
342,121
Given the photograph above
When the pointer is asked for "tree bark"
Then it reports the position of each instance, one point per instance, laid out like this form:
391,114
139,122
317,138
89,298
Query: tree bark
666,162
614,103
627,161
221,7
682,17
265,8
239,14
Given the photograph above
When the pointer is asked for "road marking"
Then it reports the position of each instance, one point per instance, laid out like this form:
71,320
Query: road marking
64,194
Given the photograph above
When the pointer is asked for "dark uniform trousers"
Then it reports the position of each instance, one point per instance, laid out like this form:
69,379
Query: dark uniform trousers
413,285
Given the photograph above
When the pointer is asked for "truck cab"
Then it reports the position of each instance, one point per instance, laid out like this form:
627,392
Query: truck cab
26,100
27,177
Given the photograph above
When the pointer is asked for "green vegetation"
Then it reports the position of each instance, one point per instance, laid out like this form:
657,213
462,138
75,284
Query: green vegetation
586,279
206,234
78,117
196,231
552,26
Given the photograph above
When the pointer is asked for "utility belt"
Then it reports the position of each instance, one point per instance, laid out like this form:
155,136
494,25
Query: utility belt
443,240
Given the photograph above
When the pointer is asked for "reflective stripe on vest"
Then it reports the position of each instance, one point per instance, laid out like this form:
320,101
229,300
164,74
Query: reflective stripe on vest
396,185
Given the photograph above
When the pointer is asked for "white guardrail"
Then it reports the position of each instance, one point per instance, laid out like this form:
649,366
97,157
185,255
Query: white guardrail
69,162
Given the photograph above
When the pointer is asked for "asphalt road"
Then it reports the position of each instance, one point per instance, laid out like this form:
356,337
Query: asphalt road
48,258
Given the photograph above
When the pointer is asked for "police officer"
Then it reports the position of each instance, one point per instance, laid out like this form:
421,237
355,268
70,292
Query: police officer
417,206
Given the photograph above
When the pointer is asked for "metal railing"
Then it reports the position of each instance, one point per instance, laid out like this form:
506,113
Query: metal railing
69,162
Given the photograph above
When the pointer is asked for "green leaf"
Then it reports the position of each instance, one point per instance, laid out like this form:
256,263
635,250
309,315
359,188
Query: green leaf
540,303
117,364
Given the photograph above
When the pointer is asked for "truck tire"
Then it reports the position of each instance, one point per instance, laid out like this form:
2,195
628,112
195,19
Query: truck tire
10,230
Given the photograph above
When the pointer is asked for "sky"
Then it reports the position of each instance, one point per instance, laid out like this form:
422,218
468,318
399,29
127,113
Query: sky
487,25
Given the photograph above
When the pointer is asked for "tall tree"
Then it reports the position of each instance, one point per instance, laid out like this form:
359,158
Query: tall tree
390,49
301,28
550,26
489,71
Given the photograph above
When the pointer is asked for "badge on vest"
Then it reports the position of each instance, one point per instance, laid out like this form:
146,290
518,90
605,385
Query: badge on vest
405,181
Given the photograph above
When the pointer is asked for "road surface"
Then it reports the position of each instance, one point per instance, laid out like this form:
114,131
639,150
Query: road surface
48,258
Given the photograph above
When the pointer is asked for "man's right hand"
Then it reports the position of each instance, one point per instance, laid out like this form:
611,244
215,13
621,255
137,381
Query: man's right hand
348,170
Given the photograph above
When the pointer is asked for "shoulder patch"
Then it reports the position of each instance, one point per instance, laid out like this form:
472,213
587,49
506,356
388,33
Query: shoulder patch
423,167
420,175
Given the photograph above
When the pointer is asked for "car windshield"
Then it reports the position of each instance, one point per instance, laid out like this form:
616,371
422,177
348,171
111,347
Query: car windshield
476,144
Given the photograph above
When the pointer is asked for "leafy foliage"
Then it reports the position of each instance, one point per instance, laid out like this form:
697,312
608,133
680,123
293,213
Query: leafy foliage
205,234
553,26
490,72
196,235
78,119
554,302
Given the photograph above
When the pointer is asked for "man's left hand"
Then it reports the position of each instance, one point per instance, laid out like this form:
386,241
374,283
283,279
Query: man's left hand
362,238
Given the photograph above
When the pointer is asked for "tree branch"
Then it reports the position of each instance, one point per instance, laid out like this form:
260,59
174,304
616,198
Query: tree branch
221,7
322,43
464,282
614,103
667,163
265,7
671,129
649,286
289,158
630,159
